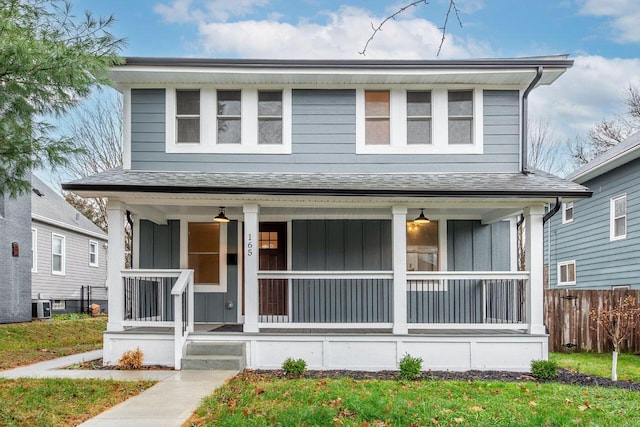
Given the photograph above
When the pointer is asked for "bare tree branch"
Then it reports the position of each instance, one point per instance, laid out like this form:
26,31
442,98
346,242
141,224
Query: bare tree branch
452,6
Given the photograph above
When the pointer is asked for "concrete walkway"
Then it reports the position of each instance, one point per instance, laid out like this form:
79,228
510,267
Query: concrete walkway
168,403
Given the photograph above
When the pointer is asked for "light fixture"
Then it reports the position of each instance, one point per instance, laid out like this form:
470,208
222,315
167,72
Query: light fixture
221,216
421,219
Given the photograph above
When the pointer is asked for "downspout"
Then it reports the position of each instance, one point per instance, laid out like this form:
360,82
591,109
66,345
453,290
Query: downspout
525,99
554,210
130,221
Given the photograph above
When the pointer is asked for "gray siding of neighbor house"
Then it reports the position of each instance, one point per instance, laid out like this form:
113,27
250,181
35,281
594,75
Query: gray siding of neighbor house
323,140
15,272
78,273
600,262
160,248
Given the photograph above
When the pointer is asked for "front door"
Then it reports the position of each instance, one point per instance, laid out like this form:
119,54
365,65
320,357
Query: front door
272,245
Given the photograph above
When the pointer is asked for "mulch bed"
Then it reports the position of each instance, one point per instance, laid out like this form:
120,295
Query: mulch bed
564,377
97,365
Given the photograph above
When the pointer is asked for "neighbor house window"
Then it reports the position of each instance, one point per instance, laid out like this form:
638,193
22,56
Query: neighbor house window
422,246
187,116
34,250
377,117
566,273
204,252
93,253
58,304
57,254
618,223
269,117
567,212
418,117
460,107
229,116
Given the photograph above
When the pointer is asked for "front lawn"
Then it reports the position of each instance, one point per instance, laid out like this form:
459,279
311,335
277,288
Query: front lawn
252,399
60,402
599,364
26,343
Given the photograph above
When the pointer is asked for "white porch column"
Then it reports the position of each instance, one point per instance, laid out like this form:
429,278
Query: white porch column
534,259
115,264
399,236
251,267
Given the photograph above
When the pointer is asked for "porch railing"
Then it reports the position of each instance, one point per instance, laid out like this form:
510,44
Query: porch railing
160,299
332,299
476,300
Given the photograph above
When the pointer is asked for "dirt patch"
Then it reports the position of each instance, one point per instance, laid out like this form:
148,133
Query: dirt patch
565,376
97,366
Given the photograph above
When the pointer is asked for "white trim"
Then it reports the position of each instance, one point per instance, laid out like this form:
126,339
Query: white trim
478,326
575,272
612,217
68,226
208,122
220,287
34,250
565,207
267,325
439,123
62,254
97,246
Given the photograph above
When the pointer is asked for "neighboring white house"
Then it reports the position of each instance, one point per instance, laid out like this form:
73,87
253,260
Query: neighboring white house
280,205
69,253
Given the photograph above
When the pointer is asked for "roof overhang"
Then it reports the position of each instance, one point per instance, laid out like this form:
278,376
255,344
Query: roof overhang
582,176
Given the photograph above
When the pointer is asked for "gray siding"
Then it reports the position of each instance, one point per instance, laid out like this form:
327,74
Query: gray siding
472,246
323,140
600,263
78,273
15,272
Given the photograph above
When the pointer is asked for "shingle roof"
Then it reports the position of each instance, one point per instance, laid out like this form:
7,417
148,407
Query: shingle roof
618,155
52,206
388,184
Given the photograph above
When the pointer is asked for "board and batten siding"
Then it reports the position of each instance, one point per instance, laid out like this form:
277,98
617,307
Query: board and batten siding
323,139
78,272
600,262
476,247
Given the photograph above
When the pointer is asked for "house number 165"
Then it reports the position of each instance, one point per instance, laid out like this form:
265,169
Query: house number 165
249,245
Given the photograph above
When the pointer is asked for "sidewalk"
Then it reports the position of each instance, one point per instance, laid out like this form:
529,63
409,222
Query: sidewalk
168,403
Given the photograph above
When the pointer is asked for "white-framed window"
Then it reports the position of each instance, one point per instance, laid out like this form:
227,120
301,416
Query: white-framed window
567,273
229,120
187,116
34,250
567,212
93,253
57,254
419,120
618,217
58,304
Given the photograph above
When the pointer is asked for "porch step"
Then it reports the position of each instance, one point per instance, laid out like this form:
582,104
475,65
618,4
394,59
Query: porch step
214,355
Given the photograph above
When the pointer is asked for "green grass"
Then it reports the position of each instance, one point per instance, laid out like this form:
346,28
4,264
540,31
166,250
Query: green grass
599,364
26,343
250,399
60,402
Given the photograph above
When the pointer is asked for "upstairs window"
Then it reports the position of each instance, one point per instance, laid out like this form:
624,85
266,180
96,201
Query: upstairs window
377,117
618,221
269,117
567,212
418,117
229,117
460,117
187,116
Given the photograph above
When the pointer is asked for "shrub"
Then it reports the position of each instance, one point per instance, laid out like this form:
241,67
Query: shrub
294,367
544,369
131,359
410,367
70,316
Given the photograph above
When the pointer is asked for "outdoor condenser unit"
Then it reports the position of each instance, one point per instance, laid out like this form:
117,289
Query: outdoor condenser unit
41,309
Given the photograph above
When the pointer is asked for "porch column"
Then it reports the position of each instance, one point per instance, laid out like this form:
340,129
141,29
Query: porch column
251,267
115,264
534,256
399,227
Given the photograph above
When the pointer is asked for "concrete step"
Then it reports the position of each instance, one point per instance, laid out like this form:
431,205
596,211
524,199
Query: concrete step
203,362
216,349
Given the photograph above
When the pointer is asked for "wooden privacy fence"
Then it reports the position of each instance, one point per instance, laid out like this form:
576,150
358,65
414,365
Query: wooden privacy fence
567,317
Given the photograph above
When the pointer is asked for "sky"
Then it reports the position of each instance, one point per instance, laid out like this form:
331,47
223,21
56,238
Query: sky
602,37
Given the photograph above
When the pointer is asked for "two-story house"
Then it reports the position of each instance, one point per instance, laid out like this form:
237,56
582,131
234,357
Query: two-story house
342,211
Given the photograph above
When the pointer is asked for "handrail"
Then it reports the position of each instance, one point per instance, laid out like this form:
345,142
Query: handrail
290,274
182,282
151,272
480,275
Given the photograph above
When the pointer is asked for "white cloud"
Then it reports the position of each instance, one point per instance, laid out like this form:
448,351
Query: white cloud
342,35
181,11
624,17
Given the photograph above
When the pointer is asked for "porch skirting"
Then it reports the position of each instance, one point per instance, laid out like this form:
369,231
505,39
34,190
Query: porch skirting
441,350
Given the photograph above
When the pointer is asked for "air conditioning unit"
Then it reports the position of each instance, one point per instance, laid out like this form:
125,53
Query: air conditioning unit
41,309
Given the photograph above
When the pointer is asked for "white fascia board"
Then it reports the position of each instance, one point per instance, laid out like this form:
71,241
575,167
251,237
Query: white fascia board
614,162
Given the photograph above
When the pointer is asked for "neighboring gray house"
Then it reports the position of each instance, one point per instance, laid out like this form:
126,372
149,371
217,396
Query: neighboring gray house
69,253
15,259
280,205
595,243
